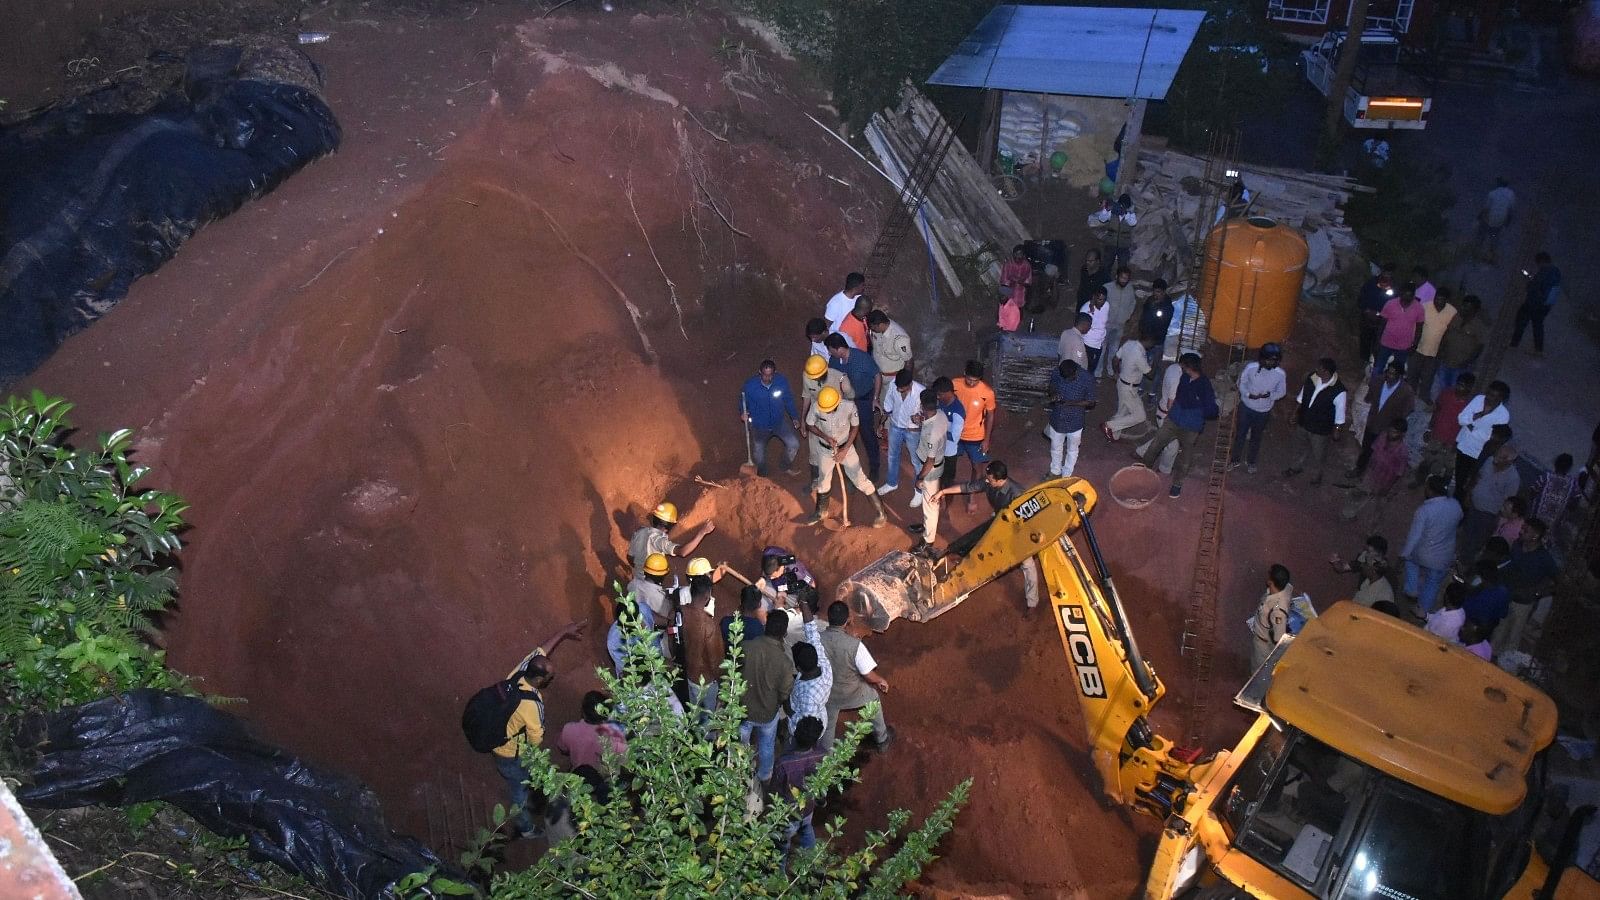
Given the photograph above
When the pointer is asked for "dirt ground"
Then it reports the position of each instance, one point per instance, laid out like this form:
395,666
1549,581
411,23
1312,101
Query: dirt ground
419,397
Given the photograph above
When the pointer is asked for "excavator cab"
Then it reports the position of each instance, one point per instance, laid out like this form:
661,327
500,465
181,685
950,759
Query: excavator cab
1384,763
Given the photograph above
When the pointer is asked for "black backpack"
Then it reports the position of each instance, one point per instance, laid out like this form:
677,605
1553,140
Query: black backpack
484,720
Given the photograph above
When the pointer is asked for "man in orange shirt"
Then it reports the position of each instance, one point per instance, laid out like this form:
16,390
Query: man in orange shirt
979,409
854,326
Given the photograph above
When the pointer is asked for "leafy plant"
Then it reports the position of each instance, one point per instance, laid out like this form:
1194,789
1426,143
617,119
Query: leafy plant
677,822
83,562
867,49
1403,218
1227,73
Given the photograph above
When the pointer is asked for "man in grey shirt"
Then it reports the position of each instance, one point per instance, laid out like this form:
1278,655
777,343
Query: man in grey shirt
1071,345
1497,482
1430,544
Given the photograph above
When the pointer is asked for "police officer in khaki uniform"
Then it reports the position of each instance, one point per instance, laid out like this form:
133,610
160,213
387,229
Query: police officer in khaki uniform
1271,620
832,426
891,347
931,437
818,376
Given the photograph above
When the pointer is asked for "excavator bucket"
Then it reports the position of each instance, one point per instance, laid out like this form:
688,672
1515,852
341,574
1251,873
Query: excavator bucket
900,585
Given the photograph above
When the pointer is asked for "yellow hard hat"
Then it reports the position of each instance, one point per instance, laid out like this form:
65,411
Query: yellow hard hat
655,564
698,566
828,399
816,366
666,512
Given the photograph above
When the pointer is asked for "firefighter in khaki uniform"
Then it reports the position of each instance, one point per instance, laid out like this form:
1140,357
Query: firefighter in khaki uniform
819,376
833,426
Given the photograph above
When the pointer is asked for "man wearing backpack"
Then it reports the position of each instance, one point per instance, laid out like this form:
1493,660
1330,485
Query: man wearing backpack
505,716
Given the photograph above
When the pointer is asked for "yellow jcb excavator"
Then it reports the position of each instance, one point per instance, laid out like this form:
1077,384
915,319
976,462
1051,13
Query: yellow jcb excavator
1382,762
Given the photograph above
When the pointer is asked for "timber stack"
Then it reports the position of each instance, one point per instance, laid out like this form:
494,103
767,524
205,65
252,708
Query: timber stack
1169,188
965,216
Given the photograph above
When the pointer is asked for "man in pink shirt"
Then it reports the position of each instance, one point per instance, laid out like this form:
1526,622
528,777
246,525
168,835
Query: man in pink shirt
1402,325
581,741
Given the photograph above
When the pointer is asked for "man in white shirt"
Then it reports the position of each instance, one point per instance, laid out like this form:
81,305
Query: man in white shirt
902,401
1261,384
1072,346
816,333
1094,340
1492,218
1164,401
1130,365
844,302
1477,420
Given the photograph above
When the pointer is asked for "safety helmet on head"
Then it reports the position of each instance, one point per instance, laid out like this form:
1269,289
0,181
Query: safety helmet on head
828,399
656,564
1271,350
816,366
666,512
698,566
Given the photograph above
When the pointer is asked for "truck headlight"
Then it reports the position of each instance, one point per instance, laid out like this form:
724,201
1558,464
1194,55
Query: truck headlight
1189,869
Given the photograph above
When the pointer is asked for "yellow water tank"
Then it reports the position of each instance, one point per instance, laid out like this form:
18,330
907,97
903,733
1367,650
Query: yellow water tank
1250,283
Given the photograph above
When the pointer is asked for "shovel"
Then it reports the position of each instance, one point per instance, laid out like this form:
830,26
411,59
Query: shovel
844,498
749,467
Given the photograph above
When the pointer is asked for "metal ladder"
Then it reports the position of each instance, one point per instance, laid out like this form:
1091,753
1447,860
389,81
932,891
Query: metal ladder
902,214
1198,640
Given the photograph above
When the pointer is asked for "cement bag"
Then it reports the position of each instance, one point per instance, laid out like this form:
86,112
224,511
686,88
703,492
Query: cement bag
151,745
102,190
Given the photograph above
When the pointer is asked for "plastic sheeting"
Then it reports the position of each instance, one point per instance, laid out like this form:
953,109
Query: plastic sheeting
91,200
151,745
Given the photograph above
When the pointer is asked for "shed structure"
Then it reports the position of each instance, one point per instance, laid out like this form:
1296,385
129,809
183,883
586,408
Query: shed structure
1066,86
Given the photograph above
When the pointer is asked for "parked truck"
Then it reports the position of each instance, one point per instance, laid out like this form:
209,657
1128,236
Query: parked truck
1381,94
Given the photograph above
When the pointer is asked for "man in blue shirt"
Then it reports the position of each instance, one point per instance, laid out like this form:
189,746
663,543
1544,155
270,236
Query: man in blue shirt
1194,404
1490,600
1544,287
1375,292
857,365
767,405
1071,396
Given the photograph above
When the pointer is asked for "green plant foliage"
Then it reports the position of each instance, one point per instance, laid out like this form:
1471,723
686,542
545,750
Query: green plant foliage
866,49
83,562
1404,218
1238,65
677,824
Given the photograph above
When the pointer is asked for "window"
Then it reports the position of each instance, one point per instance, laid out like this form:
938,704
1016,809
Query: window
1312,12
1308,805
1415,848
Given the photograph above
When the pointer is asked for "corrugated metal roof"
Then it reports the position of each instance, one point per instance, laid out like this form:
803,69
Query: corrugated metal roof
1091,51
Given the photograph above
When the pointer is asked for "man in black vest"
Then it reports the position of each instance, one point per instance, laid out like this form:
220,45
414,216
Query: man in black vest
1320,415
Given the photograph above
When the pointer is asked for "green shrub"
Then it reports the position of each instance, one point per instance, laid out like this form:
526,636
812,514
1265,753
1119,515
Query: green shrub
83,562
676,823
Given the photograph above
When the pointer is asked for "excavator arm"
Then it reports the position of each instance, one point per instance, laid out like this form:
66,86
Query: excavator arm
1116,688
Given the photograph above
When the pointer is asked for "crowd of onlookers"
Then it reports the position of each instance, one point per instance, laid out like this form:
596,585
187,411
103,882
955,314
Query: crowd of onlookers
1475,564
1480,557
